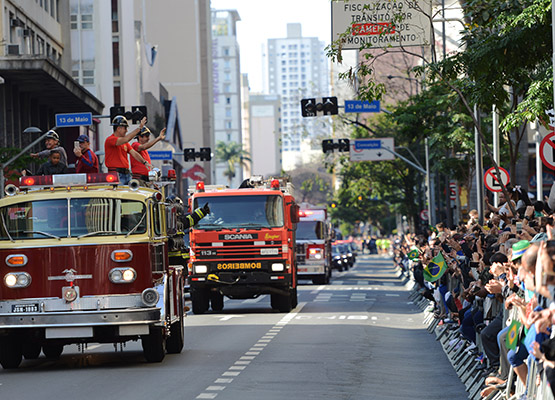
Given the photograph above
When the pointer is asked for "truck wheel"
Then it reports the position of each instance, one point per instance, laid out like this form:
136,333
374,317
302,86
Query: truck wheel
154,345
216,301
31,350
320,280
294,299
10,353
53,350
201,300
174,344
282,303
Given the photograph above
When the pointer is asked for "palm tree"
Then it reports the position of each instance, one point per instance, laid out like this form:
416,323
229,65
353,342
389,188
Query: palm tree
231,154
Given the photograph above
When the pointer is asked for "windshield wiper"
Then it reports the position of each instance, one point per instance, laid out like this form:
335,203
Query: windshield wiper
6,228
252,225
215,227
136,226
99,233
43,233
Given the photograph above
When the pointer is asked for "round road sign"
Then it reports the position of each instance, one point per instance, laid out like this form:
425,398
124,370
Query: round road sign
424,215
494,182
547,150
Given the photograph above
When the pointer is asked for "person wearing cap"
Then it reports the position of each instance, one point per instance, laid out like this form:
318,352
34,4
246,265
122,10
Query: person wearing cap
87,161
117,148
141,146
52,142
518,249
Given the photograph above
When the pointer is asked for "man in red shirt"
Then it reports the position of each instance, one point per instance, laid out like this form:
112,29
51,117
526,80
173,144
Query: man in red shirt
87,161
141,146
117,147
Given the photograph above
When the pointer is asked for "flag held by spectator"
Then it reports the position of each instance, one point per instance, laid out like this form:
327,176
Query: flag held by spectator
413,254
512,335
435,269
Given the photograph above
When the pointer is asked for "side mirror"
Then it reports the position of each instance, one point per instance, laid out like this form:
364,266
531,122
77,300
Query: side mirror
295,213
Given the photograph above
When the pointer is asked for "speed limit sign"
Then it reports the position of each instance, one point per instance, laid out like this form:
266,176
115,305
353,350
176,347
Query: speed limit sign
495,182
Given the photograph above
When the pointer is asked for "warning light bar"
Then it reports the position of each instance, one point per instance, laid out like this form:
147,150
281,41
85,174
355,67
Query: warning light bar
68,180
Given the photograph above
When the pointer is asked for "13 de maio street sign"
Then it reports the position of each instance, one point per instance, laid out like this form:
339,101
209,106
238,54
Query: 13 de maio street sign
381,23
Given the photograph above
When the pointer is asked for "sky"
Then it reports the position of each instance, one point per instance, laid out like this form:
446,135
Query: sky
263,19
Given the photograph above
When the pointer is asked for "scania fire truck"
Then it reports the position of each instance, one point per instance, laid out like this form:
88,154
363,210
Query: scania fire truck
314,244
83,259
245,247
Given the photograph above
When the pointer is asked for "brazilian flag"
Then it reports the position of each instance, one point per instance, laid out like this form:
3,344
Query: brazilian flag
413,254
433,229
435,269
512,335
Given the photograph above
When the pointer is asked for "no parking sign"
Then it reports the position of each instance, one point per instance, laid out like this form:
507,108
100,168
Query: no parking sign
494,182
547,150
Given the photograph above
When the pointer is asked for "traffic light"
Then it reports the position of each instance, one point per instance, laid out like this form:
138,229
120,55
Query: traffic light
204,154
330,105
328,145
343,144
359,197
333,204
308,107
135,115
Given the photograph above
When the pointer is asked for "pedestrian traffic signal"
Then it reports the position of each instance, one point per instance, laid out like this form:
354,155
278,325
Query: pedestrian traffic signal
328,145
204,154
311,107
135,115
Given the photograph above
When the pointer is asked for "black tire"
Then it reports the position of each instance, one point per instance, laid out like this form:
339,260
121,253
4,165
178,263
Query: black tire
10,353
154,345
174,344
320,280
31,350
280,302
294,298
216,301
53,350
201,300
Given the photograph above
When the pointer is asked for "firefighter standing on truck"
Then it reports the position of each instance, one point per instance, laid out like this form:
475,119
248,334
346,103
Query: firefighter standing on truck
117,147
141,146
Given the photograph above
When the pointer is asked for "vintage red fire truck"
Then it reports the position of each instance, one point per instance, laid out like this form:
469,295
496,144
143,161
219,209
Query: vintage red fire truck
245,247
86,260
314,244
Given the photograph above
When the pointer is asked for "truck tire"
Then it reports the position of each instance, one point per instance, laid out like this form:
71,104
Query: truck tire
31,350
216,301
53,350
174,344
320,280
201,300
281,302
154,345
10,352
294,299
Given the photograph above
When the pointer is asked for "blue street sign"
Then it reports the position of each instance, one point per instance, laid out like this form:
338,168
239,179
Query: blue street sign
161,155
358,106
76,119
368,144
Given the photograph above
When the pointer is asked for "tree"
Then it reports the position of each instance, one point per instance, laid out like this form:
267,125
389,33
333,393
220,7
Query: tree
312,183
231,154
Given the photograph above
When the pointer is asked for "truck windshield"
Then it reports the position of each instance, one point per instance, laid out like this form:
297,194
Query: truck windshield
310,230
260,211
79,217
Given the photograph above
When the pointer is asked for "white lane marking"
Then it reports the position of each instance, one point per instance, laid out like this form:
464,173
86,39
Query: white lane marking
252,301
228,317
242,362
374,318
362,282
248,357
207,396
391,295
215,388
231,373
252,353
223,380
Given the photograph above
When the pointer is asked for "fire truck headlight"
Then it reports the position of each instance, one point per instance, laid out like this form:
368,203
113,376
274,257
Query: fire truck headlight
315,253
277,267
17,280
150,297
122,275
201,269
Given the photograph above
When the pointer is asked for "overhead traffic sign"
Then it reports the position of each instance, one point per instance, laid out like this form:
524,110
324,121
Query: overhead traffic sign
372,149
74,119
380,24
496,183
358,106
161,155
547,150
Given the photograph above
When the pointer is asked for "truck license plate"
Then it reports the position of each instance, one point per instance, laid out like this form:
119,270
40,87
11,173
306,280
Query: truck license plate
25,308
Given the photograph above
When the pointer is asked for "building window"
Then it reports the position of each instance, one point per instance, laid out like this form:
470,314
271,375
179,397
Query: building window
226,51
86,21
227,88
228,112
117,93
115,55
228,100
73,21
227,124
88,77
115,16
227,76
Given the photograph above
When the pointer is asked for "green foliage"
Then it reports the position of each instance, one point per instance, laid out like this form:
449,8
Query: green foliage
231,154
12,170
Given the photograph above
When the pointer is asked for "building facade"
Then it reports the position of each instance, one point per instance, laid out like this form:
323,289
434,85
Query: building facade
265,134
297,69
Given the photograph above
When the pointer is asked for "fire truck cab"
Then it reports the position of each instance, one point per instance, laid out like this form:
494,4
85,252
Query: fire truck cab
245,247
314,244
83,259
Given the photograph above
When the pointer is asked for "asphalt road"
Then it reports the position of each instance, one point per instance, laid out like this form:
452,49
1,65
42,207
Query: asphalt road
357,338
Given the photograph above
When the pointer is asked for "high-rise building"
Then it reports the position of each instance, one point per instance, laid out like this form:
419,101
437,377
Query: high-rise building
297,69
227,89
265,132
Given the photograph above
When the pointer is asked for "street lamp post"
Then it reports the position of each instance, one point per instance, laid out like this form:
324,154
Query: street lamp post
31,129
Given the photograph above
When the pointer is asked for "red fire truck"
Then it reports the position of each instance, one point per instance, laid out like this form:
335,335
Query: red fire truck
314,244
245,247
86,260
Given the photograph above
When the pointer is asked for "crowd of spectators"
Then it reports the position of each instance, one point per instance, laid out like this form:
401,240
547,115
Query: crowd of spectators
498,288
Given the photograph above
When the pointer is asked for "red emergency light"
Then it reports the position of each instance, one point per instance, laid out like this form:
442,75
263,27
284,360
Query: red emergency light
67,180
275,184
172,175
200,186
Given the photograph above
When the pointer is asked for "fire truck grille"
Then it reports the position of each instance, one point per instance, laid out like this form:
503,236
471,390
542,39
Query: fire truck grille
240,243
238,253
301,253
